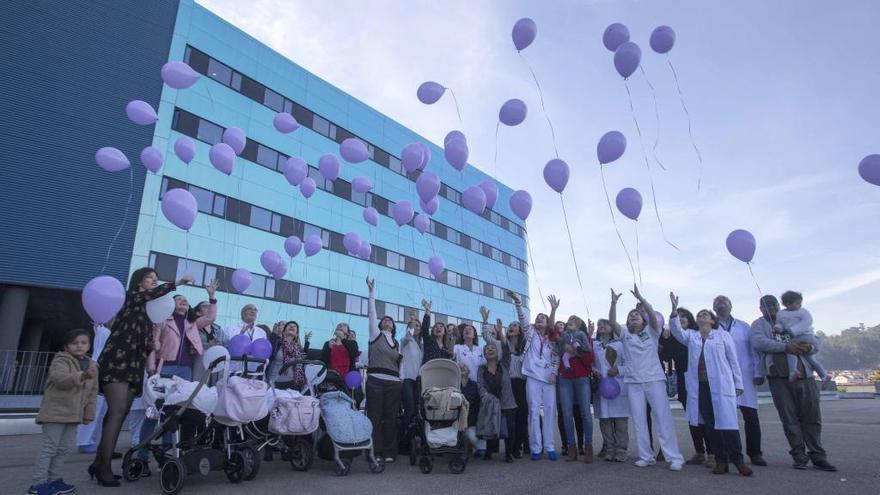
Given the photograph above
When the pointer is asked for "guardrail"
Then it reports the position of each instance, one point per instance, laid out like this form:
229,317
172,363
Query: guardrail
23,372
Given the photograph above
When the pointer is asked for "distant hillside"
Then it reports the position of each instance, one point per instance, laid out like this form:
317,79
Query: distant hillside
855,348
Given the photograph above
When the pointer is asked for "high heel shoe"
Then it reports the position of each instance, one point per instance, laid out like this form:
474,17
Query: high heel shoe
95,475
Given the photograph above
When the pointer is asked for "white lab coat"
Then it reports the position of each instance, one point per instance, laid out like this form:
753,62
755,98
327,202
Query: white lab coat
748,361
722,368
617,407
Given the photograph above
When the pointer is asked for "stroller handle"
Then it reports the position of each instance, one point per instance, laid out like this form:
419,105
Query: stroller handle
297,362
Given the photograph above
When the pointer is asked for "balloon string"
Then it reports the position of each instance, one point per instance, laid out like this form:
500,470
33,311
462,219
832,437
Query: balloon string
613,221
656,117
535,272
690,129
573,257
543,106
755,279
648,166
437,280
638,256
124,216
495,160
457,109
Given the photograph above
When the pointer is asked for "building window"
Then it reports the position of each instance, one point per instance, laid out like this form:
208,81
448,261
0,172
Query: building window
496,254
288,106
494,217
236,81
453,236
353,304
320,125
394,164
267,157
395,261
260,218
273,100
276,223
452,195
476,286
219,72
209,133
219,205
270,288
497,293
359,198
424,270
204,198
308,295
453,279
257,287
309,229
476,246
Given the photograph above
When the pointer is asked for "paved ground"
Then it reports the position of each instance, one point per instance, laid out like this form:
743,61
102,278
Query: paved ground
851,435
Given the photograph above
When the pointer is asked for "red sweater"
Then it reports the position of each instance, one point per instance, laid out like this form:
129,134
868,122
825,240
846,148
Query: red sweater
581,365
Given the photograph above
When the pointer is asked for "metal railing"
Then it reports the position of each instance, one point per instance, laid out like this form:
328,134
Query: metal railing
23,372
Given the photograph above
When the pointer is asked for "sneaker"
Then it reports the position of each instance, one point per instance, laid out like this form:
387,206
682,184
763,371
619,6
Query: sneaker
536,457
824,465
59,487
800,464
34,489
551,455
41,489
675,466
644,463
87,449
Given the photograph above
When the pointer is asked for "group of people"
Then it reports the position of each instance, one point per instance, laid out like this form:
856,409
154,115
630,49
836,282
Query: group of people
520,382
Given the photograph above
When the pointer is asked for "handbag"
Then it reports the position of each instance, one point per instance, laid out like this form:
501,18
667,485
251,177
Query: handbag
241,400
671,384
295,415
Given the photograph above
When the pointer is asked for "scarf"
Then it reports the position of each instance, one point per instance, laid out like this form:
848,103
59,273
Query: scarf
291,351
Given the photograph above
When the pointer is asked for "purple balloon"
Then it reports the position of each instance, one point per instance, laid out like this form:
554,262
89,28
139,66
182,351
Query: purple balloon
239,346
611,147
140,112
361,185
371,216
179,75
488,186
615,35
353,150
662,39
556,174
292,245
426,155
365,250
429,92
741,244
279,272
402,211
151,158
521,204
456,153
412,156
295,170
422,222
352,242
609,388
241,280
430,207
454,135
328,165
285,123
313,245
261,349
111,159
185,149
271,260
436,265
513,112
629,202
222,157
869,169
474,199
627,58
307,187
180,208
353,379
102,298
235,138
524,32
427,185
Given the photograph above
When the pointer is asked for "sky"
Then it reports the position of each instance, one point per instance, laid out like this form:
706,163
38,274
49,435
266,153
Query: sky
782,98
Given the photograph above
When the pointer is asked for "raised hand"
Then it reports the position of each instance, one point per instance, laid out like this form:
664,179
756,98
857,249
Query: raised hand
185,280
308,336
674,300
484,312
499,330
635,292
515,297
554,302
212,288
615,296
591,327
371,284
426,305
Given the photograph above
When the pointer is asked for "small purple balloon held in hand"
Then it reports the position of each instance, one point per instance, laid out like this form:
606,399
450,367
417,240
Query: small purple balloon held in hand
430,92
524,32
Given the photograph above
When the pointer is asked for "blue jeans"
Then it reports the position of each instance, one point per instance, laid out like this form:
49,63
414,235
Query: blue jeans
571,389
149,424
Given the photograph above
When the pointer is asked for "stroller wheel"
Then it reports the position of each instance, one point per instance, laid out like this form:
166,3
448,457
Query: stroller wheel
344,468
235,467
171,476
251,463
426,465
414,450
457,465
377,465
301,455
133,469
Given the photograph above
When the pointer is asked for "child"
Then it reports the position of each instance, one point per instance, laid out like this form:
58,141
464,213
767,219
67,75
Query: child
577,340
68,400
614,413
795,324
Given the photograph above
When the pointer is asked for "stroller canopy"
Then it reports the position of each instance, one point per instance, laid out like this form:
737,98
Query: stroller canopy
440,373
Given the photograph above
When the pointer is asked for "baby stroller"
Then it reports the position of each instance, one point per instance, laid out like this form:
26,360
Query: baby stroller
345,432
202,426
442,418
293,417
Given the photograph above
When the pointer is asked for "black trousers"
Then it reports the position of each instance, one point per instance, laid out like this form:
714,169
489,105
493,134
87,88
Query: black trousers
725,444
522,415
383,407
797,403
753,430
510,442
410,397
